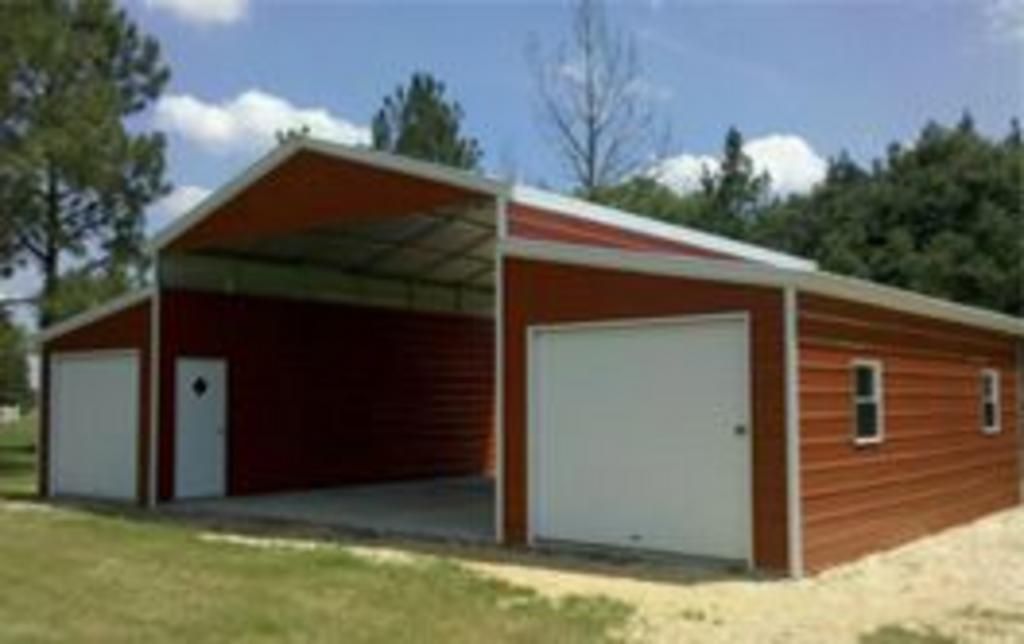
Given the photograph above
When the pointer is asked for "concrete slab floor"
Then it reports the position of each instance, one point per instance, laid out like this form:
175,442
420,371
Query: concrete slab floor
448,508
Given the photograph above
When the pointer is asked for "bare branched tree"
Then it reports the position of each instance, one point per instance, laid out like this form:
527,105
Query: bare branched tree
594,102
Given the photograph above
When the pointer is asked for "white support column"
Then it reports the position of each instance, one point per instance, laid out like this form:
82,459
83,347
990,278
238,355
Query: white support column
501,231
154,385
794,508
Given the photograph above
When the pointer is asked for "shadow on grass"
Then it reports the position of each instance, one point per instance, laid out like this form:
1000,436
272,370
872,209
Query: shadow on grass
24,451
18,481
615,564
897,634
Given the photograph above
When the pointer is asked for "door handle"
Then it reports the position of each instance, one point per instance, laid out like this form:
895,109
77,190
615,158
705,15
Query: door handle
740,430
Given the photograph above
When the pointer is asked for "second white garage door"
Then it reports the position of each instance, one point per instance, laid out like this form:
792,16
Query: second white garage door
639,435
94,427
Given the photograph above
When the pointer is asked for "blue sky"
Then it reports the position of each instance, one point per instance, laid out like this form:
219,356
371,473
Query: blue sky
802,79
822,75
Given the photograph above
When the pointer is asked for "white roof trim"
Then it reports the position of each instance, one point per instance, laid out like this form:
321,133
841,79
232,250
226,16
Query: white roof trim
570,206
94,314
363,156
729,271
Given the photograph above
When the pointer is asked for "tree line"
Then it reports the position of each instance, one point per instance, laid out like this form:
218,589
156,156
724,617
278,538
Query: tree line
943,216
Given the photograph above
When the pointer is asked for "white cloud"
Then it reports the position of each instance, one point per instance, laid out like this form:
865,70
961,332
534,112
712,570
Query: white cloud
1006,18
250,121
791,162
205,12
180,200
682,173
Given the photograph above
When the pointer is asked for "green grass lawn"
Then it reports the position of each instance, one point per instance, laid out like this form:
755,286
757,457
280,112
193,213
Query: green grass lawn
72,575
18,458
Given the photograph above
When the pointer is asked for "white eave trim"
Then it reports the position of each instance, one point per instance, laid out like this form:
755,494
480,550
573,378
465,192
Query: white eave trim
737,272
362,156
95,314
572,207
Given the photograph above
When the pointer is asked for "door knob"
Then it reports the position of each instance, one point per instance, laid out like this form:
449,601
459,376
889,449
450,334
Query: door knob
740,430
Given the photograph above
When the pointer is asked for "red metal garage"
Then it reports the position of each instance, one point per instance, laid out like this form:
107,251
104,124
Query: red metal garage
340,317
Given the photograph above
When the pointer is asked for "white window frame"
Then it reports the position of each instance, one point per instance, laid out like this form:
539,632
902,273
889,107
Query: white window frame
877,397
995,400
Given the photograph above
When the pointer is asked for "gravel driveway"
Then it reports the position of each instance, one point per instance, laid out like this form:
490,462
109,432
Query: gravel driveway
965,584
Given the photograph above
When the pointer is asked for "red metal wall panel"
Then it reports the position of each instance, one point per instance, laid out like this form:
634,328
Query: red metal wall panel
934,468
326,394
533,223
546,293
126,329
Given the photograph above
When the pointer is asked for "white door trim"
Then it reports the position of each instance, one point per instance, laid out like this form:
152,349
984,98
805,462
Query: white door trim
532,410
55,359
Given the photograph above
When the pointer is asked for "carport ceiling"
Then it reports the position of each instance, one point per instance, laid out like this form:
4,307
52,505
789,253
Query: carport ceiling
446,247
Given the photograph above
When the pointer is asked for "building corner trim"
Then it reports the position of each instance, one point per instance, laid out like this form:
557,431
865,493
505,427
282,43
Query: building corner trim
501,213
794,506
154,389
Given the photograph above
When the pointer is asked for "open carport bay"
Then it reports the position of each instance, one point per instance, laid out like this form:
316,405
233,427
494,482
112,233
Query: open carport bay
457,509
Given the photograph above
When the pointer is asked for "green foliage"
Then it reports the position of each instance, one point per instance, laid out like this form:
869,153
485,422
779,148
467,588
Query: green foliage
728,202
14,381
74,177
645,195
734,194
18,458
419,121
80,290
944,217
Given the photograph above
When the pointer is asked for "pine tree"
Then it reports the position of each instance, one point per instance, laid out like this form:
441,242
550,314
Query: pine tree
75,179
419,121
735,192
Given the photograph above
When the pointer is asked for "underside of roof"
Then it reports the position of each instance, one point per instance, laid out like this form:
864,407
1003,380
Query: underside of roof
448,247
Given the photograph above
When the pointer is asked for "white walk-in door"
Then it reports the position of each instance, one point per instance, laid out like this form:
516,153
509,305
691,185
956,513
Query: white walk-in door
200,453
639,435
94,424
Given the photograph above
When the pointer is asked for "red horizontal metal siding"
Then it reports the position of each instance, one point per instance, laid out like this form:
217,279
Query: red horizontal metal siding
325,394
546,293
548,225
125,329
934,468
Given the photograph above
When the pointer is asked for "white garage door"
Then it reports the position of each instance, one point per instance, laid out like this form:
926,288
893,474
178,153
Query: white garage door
639,435
94,406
